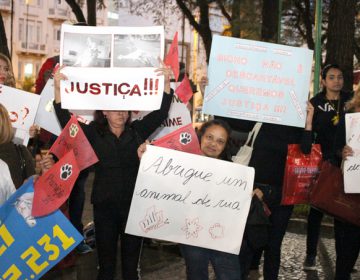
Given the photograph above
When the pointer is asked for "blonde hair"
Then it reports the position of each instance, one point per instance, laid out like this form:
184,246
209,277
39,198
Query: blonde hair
353,102
6,132
10,80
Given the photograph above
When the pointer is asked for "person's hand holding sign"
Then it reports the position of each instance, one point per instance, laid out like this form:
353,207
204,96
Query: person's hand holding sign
166,71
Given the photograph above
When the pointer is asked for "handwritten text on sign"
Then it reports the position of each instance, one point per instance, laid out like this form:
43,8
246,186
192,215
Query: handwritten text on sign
29,246
352,164
111,89
191,199
258,81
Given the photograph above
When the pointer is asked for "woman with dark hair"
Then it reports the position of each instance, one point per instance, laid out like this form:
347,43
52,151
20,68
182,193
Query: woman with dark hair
214,139
115,141
329,107
347,236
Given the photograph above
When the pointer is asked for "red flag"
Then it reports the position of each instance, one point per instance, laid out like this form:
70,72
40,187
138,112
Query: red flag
172,58
184,90
183,139
53,188
73,137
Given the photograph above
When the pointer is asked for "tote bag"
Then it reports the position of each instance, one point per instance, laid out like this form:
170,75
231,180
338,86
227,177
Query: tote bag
300,171
243,156
328,195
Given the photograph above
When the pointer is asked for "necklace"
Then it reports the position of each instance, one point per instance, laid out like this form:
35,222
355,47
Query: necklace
336,118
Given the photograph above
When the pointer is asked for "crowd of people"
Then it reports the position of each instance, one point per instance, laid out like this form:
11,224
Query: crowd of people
119,145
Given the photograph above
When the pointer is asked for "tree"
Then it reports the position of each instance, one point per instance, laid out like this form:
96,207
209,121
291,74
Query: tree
340,38
92,6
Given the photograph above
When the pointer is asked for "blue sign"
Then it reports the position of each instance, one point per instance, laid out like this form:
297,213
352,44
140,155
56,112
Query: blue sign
30,246
258,81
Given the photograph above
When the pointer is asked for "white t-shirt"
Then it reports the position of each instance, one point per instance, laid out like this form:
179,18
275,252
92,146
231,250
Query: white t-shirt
7,187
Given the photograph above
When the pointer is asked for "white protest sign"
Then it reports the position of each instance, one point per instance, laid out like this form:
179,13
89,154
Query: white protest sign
191,199
46,116
178,116
21,136
116,67
105,89
21,106
352,164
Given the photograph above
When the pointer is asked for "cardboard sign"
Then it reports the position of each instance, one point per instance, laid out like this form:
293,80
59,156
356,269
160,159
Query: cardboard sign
351,166
258,81
191,199
117,67
29,247
178,116
22,106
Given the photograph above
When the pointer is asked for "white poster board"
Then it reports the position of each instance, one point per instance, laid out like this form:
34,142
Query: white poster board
111,68
46,116
191,199
352,164
22,107
179,115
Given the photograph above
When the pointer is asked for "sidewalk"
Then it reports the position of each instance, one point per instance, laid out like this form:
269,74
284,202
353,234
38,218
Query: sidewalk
164,262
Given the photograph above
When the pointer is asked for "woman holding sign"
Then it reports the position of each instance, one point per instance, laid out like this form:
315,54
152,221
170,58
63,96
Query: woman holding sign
347,236
115,141
214,142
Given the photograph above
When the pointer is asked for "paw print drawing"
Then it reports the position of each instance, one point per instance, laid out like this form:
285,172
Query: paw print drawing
66,171
73,130
185,138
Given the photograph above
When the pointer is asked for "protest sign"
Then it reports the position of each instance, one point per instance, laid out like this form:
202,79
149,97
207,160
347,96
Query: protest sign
191,199
29,246
53,188
21,106
46,116
117,67
351,166
178,116
258,81
73,137
184,90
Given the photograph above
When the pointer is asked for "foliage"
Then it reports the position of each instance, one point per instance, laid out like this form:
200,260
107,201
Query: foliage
28,84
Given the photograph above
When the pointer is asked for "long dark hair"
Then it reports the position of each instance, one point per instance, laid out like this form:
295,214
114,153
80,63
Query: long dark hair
225,155
101,121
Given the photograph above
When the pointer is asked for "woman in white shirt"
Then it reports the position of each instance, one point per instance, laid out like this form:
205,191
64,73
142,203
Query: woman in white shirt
7,187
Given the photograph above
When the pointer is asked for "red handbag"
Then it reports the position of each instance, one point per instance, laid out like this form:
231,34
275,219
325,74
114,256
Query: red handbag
300,171
328,195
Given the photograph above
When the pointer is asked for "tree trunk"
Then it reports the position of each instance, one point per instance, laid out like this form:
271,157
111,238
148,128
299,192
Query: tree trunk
270,15
340,40
235,22
76,10
3,40
91,12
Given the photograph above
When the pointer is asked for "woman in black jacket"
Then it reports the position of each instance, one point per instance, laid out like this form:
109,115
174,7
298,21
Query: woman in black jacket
328,109
115,141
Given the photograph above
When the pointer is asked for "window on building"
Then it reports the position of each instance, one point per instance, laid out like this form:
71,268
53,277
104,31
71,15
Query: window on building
21,30
38,31
19,76
57,34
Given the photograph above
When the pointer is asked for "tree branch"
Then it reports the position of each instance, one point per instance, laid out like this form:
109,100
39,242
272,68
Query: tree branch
188,15
223,10
76,10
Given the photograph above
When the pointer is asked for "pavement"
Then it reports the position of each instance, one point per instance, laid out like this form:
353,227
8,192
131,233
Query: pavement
162,260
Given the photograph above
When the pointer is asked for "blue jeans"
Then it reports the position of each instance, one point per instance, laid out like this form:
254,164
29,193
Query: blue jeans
226,266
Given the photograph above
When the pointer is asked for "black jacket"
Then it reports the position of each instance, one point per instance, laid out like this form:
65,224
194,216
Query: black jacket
116,170
323,127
